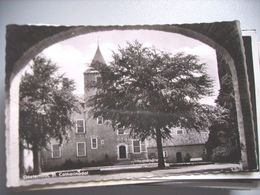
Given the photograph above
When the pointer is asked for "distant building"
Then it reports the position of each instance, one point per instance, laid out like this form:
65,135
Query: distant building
93,142
184,146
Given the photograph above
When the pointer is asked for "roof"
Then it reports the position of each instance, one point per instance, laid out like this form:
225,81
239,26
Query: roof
186,138
98,57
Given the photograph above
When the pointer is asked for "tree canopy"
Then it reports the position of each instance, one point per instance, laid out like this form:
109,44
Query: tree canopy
46,105
150,91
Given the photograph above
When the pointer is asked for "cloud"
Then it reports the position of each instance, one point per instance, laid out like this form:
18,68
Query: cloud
201,50
107,50
70,61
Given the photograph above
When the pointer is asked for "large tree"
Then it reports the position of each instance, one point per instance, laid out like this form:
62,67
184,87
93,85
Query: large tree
46,105
150,91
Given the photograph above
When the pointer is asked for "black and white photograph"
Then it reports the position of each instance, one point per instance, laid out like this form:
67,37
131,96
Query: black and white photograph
109,103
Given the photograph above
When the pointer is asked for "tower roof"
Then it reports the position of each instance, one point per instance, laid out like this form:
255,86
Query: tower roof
98,57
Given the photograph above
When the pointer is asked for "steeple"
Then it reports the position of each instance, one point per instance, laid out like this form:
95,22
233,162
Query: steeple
98,57
91,74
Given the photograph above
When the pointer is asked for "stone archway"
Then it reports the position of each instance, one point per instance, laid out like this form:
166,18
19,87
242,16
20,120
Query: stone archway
24,42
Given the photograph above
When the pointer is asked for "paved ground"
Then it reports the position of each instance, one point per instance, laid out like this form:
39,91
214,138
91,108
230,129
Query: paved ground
125,172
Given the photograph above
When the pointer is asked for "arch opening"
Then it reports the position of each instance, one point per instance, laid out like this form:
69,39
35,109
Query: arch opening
14,78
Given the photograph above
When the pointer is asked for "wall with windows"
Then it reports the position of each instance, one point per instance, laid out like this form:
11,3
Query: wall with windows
101,147
73,147
93,143
174,154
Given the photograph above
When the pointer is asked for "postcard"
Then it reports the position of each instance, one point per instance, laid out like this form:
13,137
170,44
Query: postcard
101,105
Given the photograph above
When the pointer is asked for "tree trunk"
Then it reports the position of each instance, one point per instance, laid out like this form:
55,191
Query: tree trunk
159,149
36,160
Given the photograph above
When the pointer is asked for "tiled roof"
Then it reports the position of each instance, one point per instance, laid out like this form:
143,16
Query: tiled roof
186,138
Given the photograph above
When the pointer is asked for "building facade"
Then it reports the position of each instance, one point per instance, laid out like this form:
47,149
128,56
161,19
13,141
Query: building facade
184,146
94,142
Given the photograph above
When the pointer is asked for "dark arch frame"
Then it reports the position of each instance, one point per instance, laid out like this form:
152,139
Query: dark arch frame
24,42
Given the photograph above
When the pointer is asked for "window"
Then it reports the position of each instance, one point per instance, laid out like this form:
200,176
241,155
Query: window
179,132
102,142
81,149
80,127
100,120
56,151
120,131
165,154
136,146
94,144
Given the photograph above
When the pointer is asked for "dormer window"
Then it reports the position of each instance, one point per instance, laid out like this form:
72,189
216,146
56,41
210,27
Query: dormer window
100,120
120,131
80,126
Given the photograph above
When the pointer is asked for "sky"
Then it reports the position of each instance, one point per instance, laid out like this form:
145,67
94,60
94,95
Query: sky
74,55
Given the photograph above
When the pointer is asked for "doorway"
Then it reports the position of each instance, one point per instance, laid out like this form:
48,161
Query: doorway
122,153
179,157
